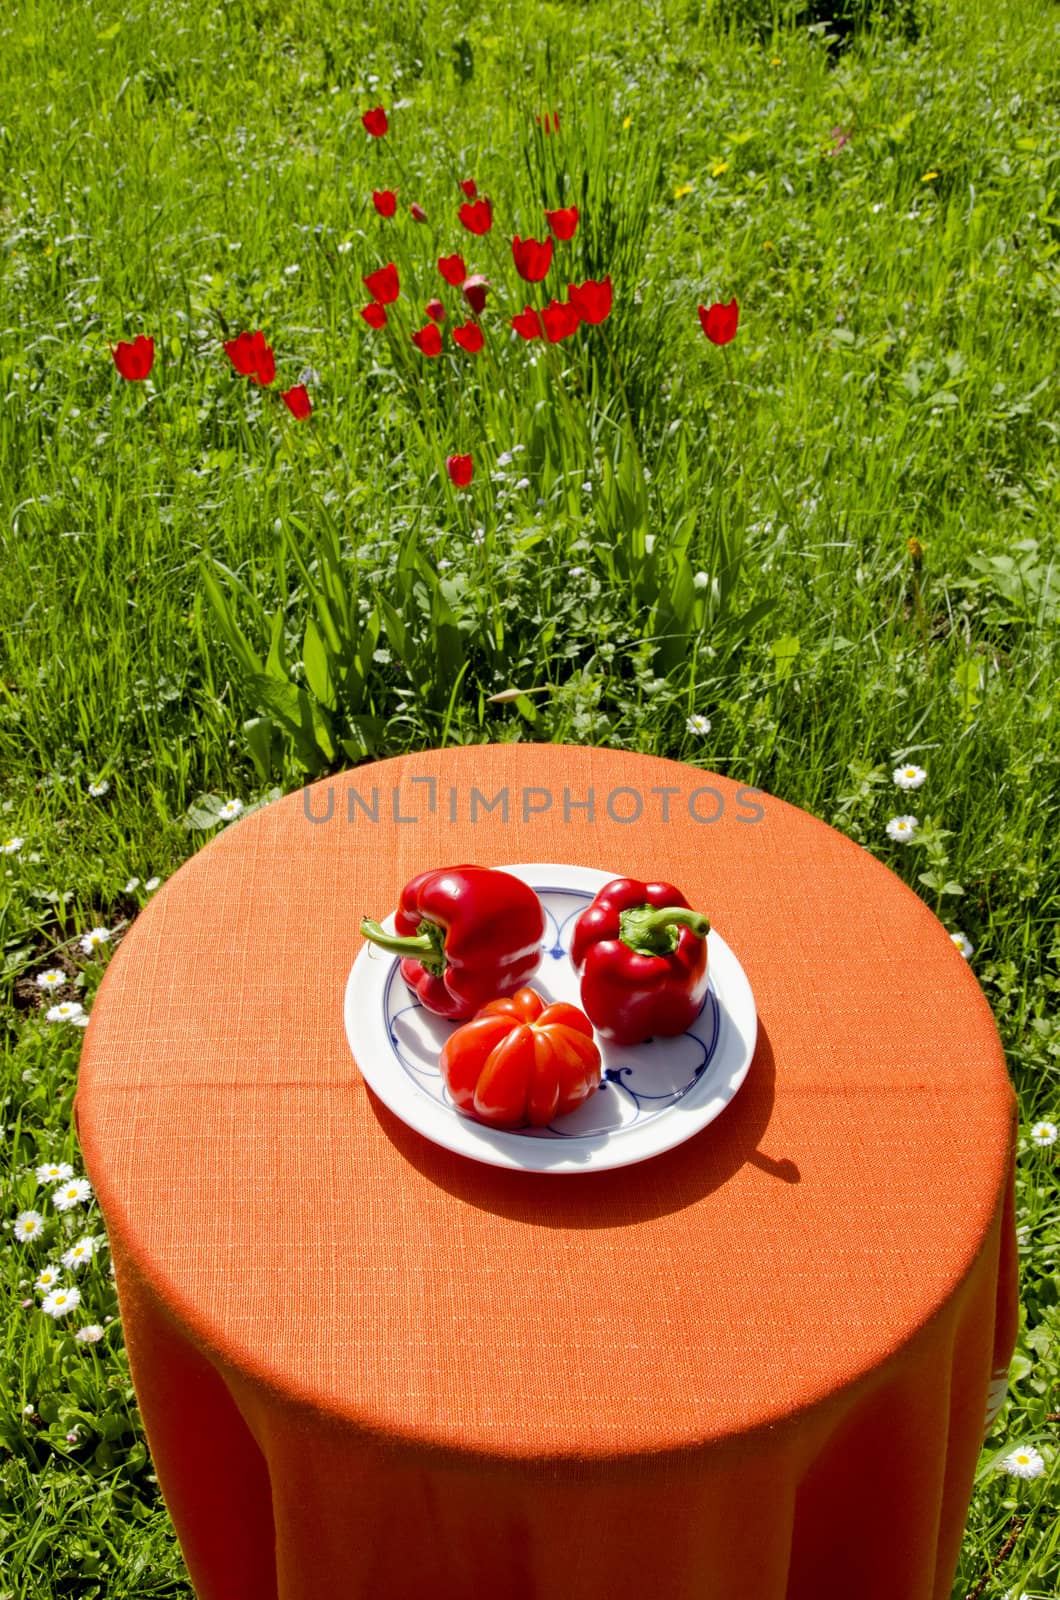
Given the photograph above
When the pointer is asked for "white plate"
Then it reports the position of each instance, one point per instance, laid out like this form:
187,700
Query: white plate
651,1097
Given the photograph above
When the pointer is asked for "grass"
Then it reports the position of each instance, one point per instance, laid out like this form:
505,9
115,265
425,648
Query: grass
202,599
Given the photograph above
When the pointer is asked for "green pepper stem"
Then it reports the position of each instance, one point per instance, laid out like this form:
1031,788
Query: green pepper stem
647,929
423,947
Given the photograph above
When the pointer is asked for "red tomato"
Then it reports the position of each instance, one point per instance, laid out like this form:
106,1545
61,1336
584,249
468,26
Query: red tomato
520,1062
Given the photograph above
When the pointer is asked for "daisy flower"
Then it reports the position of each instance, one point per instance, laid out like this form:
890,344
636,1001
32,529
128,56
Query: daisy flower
230,809
54,978
152,884
1044,1133
11,847
28,1224
964,945
73,1193
79,1254
61,1302
1024,1463
902,828
54,1172
909,777
94,939
65,1011
98,789
576,572
698,723
92,1334
132,886
49,1277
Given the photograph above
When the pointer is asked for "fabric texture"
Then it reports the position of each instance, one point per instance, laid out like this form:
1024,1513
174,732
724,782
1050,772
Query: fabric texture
756,1366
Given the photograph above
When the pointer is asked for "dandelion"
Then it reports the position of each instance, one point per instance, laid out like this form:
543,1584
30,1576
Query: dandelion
11,847
73,1193
28,1224
681,190
65,1011
698,723
48,1278
54,1172
132,886
61,1302
964,945
54,978
79,1254
94,939
91,1334
152,884
96,790
909,777
926,177
1044,1133
902,829
1024,1463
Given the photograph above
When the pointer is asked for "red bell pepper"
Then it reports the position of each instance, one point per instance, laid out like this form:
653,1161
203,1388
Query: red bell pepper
466,934
641,953
521,1062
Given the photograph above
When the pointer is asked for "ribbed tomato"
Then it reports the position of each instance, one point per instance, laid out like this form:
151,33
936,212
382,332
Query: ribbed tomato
521,1063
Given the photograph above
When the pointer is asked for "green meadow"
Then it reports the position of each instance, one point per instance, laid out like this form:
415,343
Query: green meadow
804,558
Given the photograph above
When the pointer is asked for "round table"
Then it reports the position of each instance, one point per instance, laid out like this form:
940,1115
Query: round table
757,1365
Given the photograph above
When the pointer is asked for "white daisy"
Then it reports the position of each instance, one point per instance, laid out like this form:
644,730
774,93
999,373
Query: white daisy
902,828
61,1302
94,939
72,1194
964,945
97,789
698,723
48,1278
54,978
81,1020
90,1335
79,1254
65,1011
1024,1463
909,777
54,1172
11,847
28,1224
132,886
576,572
1044,1133
230,809
152,884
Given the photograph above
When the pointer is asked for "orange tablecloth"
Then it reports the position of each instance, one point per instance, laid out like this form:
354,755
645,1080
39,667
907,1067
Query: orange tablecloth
754,1367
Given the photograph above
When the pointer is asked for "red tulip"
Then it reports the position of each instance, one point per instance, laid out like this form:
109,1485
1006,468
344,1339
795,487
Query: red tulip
555,122
417,212
532,259
375,315
591,299
527,324
563,223
452,269
476,215
297,401
561,319
429,340
461,469
468,335
475,289
435,310
470,188
376,123
383,284
385,201
252,357
719,322
134,360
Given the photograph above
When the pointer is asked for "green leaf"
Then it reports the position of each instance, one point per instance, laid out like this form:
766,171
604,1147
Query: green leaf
317,663
259,732
785,653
